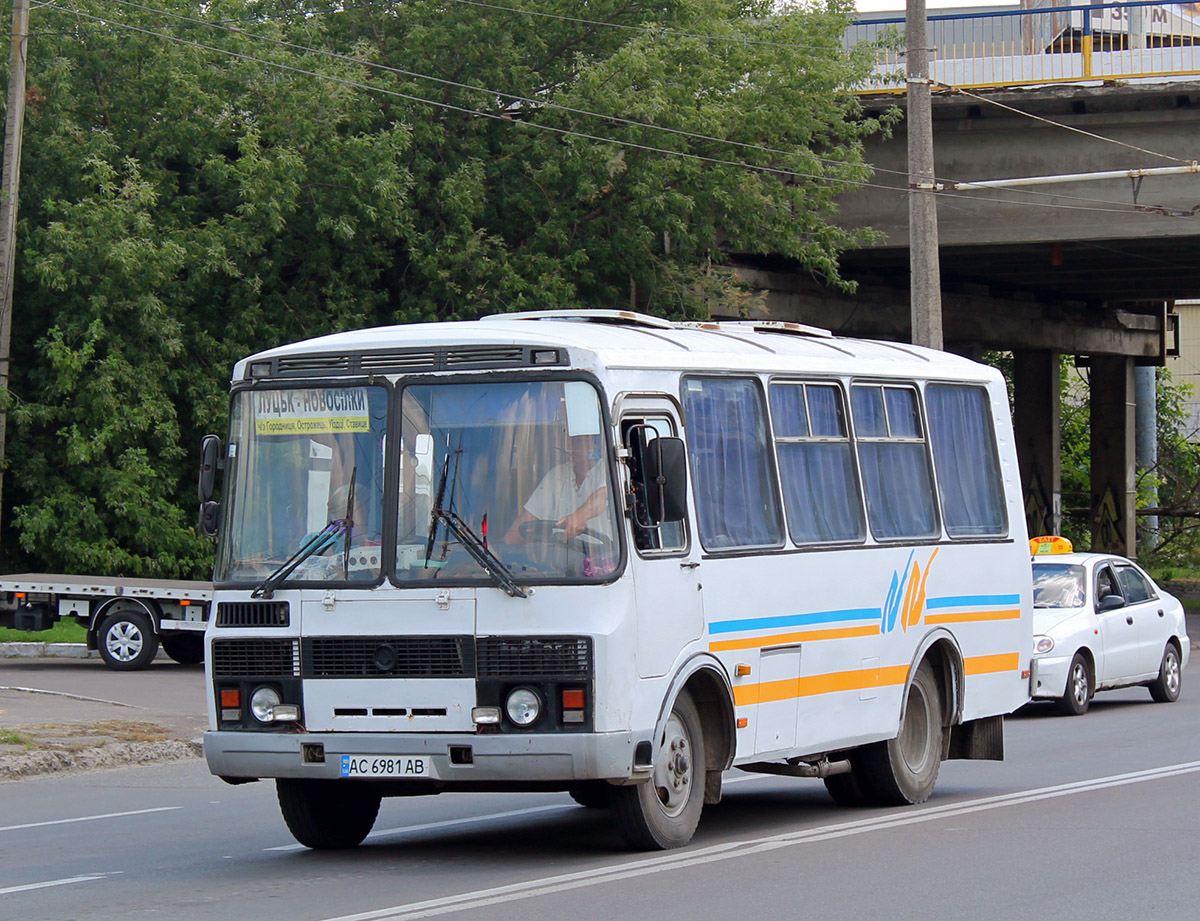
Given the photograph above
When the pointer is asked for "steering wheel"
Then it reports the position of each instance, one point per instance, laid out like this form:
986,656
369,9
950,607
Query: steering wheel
546,531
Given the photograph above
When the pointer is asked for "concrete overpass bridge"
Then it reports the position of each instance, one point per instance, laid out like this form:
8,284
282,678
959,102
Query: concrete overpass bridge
1089,269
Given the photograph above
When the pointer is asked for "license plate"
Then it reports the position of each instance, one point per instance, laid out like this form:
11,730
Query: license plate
386,766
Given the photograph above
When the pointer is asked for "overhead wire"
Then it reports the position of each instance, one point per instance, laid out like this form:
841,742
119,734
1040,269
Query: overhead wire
507,117
578,111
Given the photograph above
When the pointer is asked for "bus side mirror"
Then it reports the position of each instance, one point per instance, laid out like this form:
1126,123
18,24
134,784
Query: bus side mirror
665,469
210,461
210,458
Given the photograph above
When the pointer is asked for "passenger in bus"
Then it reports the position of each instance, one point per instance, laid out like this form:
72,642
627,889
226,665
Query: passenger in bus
573,495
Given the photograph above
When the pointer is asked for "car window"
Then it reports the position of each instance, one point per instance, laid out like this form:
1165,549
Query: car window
1134,585
1106,584
1057,585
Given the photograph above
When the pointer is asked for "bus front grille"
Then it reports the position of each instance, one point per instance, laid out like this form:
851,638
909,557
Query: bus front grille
530,657
253,614
388,657
255,658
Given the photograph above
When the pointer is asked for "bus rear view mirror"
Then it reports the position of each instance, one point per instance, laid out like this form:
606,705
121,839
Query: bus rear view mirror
665,465
210,458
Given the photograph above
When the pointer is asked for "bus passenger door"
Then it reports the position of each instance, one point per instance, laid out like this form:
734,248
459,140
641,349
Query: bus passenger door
664,561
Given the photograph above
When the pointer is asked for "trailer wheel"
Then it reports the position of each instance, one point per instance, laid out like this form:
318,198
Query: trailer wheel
127,641
184,648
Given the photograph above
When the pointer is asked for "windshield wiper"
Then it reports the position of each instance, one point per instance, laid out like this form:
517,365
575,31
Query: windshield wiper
319,541
479,551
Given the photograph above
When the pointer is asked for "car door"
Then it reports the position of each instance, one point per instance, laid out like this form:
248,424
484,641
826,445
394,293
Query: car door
1149,616
1119,641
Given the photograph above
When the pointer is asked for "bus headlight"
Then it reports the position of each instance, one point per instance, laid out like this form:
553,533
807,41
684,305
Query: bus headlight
523,706
263,702
1042,644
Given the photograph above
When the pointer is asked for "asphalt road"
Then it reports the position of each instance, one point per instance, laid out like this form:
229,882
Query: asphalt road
1097,817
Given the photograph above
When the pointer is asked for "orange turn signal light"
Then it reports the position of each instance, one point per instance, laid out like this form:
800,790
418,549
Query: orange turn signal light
231,698
573,699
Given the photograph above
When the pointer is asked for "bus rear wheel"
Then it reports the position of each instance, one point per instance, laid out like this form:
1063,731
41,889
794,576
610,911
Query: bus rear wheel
327,814
664,811
902,771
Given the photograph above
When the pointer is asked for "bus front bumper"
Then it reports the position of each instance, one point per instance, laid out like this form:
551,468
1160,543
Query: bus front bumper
450,758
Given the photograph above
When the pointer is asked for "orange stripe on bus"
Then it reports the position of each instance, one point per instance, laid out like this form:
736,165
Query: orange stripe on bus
755,642
963,617
811,685
986,665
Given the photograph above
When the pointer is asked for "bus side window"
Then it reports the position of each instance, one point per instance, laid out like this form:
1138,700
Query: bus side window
670,537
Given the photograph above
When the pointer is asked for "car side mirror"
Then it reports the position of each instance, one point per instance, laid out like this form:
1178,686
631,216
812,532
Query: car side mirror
665,470
1110,603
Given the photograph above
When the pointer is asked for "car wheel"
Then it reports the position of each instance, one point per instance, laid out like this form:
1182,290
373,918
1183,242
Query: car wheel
127,641
1166,687
1079,688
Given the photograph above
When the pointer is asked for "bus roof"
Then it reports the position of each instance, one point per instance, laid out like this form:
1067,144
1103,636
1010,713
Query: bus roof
605,339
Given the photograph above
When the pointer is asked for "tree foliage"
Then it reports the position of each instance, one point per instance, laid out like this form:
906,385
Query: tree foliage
204,180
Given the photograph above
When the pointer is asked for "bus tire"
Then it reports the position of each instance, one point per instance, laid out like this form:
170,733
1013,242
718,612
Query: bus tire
846,790
664,811
126,641
327,814
184,648
592,795
902,771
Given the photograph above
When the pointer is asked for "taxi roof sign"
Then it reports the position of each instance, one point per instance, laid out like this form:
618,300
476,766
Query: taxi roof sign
1044,546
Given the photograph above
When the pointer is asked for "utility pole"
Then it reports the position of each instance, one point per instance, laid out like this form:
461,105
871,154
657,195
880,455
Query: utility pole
925,275
11,181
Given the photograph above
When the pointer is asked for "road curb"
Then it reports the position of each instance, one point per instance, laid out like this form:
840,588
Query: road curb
20,765
54,651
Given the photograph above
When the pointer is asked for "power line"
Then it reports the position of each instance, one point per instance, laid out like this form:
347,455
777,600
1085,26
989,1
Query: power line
480,113
538,125
559,107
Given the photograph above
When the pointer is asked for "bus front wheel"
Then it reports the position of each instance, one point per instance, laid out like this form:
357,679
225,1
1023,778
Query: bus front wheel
902,771
664,812
327,814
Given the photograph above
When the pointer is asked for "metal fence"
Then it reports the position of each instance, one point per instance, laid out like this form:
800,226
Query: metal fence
1043,43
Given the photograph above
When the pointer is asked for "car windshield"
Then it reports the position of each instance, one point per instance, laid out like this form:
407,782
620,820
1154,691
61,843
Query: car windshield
1058,585
304,485
519,469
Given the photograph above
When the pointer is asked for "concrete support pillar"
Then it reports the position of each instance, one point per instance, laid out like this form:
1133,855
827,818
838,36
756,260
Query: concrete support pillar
1038,431
1145,384
1112,430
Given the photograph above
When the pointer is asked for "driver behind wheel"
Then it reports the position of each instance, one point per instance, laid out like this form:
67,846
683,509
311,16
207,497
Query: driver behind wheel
573,495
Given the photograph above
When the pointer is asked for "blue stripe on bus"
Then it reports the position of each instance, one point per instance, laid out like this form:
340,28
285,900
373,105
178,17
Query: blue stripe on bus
794,620
959,601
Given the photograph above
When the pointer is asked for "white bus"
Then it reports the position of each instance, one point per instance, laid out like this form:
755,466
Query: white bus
604,553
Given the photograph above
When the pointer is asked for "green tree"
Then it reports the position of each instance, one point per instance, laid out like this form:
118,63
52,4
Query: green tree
203,180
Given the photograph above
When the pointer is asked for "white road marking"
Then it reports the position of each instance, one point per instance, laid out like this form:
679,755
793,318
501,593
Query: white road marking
480,819
449,823
55,882
676,860
89,818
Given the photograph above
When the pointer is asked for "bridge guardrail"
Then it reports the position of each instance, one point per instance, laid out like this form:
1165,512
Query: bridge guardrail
1099,42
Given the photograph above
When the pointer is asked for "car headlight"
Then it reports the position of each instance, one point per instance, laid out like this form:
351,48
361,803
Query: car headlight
523,706
1042,644
263,702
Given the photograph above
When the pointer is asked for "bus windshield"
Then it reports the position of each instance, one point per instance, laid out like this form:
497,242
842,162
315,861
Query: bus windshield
498,482
305,470
519,467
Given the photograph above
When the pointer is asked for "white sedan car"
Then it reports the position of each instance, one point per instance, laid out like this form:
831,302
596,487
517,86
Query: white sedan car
1100,622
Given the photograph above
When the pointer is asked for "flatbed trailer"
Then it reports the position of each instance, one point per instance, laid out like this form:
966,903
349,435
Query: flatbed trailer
126,619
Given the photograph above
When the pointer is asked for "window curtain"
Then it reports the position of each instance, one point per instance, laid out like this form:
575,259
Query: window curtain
964,452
